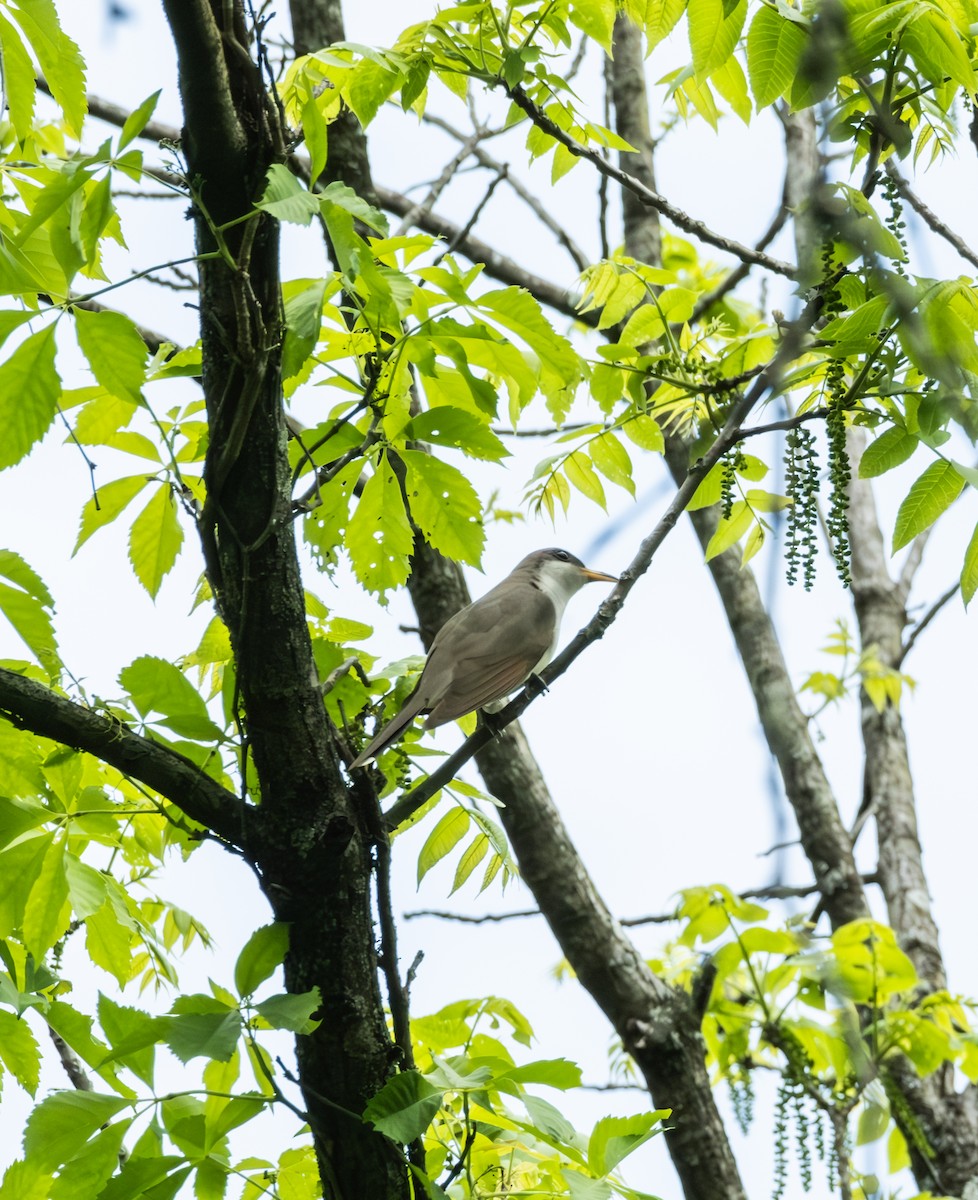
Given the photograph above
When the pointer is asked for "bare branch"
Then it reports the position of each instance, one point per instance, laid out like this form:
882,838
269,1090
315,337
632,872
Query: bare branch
926,619
648,197
581,260
929,217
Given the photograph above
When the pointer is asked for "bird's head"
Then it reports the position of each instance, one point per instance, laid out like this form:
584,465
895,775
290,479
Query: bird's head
560,571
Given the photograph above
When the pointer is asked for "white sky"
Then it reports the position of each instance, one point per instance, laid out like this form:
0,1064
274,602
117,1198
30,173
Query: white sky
650,743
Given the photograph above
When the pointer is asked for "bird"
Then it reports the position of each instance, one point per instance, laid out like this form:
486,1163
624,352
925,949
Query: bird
491,647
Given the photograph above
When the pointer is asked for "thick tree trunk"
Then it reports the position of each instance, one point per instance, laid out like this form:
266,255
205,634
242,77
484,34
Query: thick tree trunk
947,1118
306,837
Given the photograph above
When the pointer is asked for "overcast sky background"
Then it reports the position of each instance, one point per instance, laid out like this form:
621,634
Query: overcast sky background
649,743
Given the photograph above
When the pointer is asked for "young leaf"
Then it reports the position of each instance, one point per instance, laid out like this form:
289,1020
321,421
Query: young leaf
611,459
155,540
474,855
730,529
580,473
445,836
29,392
935,490
61,61
137,120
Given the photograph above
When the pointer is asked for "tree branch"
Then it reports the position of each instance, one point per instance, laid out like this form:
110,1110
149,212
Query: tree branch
31,706
929,217
648,197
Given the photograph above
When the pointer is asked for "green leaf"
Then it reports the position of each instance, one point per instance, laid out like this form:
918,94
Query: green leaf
934,492
445,425
657,18
262,953
774,49
106,504
730,529
444,506
20,87
28,607
48,913
86,887
286,198
29,392
89,1171
404,1107
19,1051
203,1034
893,447
445,836
61,61
340,195
109,943
61,1124
714,29
20,867
155,540
293,1013
552,1072
303,321
614,1138
580,472
137,120
471,858
596,18
115,352
379,535
157,686
969,572
611,459
25,1181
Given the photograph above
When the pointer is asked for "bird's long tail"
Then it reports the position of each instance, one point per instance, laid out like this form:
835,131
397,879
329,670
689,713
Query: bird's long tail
390,732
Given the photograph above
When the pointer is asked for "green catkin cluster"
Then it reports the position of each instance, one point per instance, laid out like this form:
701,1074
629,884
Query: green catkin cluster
894,221
732,463
801,484
781,1109
741,1088
837,520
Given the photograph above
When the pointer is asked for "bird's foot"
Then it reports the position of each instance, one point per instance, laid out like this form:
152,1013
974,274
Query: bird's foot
535,686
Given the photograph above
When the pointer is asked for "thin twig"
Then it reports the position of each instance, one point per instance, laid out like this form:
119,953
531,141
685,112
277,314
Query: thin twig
925,620
740,272
581,260
775,891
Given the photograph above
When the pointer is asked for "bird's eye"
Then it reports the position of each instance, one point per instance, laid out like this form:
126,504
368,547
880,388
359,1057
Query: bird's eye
562,555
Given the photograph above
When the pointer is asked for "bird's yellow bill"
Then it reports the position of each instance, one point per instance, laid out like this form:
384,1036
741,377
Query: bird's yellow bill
599,577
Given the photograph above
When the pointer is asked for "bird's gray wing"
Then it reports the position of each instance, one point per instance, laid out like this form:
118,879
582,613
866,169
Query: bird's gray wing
486,655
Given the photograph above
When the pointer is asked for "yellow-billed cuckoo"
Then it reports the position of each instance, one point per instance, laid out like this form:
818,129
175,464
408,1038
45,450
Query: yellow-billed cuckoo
491,647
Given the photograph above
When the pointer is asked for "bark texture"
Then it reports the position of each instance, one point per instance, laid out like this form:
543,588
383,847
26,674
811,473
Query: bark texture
307,838
947,1118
